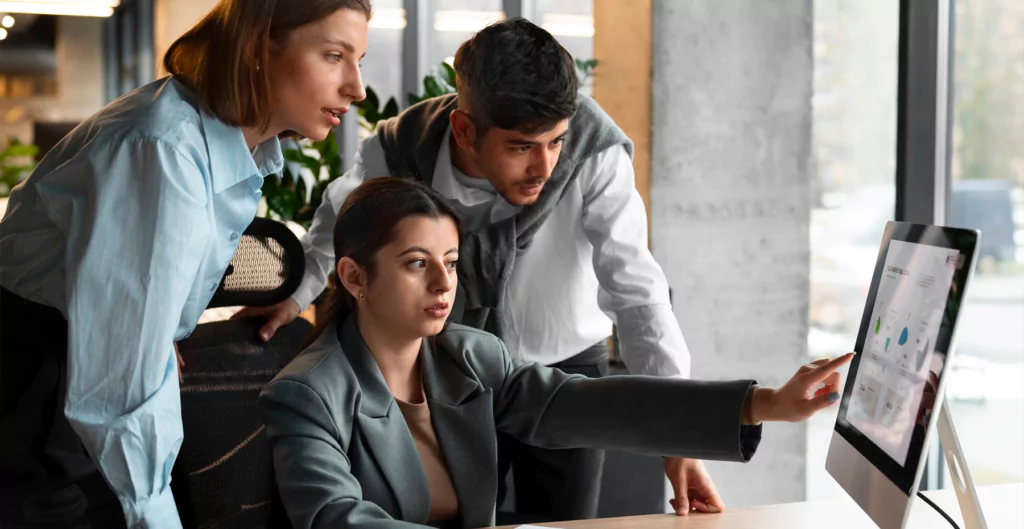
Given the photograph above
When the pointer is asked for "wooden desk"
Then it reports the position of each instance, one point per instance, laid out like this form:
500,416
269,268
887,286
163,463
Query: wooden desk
1003,506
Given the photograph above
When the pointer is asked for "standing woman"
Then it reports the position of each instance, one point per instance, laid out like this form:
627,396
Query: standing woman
113,247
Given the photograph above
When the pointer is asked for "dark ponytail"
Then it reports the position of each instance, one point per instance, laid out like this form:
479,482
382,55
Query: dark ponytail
366,224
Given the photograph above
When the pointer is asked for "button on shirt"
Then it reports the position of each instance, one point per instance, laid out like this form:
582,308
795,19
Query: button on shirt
588,266
127,227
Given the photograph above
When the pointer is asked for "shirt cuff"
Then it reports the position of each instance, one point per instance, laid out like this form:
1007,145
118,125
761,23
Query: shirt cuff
155,512
750,438
651,342
307,292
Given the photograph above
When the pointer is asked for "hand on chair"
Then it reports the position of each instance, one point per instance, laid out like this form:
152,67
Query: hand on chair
277,316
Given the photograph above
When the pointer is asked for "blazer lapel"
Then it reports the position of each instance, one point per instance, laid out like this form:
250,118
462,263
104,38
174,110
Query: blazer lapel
387,436
462,414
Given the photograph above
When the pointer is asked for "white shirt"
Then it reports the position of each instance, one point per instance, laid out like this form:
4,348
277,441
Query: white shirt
588,266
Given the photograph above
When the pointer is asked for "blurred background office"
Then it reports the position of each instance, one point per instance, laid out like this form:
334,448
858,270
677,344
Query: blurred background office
774,141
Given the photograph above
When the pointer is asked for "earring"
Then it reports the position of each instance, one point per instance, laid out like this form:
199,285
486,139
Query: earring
362,296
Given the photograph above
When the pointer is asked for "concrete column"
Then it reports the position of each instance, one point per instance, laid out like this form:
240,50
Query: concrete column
79,52
730,189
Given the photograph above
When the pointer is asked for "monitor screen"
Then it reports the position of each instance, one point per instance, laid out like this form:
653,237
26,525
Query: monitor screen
903,343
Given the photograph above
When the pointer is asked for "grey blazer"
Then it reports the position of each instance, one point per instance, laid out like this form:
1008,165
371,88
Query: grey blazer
344,457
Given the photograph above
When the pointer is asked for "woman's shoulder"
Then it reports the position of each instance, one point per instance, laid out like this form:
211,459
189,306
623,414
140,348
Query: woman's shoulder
318,385
470,337
162,110
323,368
477,351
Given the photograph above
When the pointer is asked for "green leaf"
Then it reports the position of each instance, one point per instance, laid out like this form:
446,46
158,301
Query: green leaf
329,151
413,99
444,87
431,88
391,109
18,150
285,205
300,191
293,155
371,99
447,74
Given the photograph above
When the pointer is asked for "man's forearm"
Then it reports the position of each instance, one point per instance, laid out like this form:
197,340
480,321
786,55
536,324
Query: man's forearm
651,342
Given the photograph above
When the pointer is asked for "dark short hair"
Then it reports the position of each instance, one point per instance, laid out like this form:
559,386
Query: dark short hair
514,75
218,58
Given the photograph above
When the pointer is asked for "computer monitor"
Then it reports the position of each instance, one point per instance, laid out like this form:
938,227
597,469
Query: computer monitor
897,378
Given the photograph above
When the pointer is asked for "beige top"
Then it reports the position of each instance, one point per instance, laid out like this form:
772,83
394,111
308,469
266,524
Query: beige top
444,505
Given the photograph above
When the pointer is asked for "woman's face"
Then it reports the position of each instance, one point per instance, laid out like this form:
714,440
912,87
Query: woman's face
314,75
413,285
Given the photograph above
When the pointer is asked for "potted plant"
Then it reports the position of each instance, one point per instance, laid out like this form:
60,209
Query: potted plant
17,160
294,195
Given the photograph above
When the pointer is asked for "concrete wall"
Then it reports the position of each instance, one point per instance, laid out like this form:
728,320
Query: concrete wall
79,67
731,132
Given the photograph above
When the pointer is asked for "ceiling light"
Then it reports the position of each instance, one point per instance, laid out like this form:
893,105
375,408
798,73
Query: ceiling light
566,25
81,8
388,18
465,21
3,33
7,21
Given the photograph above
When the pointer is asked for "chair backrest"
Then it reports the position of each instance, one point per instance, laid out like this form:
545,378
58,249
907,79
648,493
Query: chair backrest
223,475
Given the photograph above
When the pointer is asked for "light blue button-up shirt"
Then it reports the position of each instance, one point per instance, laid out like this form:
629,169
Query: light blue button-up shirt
127,227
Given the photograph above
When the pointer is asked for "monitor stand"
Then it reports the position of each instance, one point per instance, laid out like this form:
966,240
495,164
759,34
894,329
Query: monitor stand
960,474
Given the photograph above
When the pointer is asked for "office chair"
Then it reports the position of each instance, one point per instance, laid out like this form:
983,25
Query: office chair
223,475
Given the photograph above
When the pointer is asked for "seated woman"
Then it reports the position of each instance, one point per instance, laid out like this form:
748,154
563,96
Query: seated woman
389,417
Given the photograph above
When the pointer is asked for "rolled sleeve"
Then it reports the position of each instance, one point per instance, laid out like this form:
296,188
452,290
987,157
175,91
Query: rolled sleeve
634,290
318,244
136,225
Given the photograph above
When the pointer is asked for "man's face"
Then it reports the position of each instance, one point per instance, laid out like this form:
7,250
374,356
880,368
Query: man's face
518,164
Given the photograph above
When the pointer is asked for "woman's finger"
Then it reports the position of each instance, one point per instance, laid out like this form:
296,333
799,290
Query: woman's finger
820,373
702,506
832,381
820,402
713,500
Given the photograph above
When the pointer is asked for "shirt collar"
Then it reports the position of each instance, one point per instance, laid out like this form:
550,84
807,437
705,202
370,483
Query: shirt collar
446,170
230,159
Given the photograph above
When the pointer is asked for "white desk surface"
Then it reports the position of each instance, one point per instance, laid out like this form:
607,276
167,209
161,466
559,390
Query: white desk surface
1003,506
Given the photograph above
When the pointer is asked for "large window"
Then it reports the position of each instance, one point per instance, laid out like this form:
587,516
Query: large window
382,66
452,22
853,157
985,394
570,21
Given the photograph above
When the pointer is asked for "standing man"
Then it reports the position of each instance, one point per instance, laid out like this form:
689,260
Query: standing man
556,243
